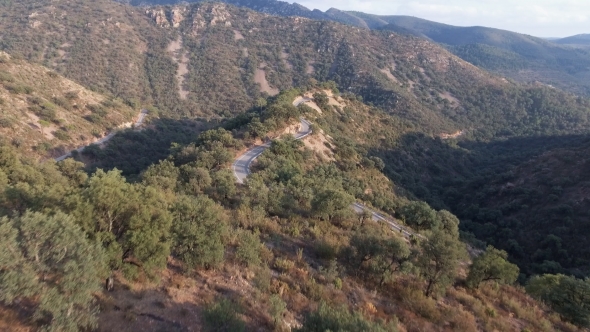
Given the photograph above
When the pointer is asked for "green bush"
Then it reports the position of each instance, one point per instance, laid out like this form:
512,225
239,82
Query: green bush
324,250
63,103
223,316
328,318
71,95
248,251
18,89
276,308
61,135
199,230
284,265
6,77
6,122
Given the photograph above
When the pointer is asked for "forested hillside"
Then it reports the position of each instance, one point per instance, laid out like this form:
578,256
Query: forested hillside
521,57
188,247
488,175
46,115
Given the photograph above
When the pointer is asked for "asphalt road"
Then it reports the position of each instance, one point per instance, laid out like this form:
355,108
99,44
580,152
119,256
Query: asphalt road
241,169
241,166
142,114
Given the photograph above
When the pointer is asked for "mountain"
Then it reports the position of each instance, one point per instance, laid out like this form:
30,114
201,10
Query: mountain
202,251
46,115
152,232
582,39
517,56
273,7
104,46
579,41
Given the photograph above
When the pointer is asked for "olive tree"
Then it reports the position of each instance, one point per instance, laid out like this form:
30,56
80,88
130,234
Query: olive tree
492,265
49,261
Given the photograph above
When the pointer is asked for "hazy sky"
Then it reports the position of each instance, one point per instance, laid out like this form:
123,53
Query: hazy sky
542,18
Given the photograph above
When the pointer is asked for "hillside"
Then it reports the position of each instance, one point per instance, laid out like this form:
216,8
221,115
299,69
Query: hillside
284,251
581,41
104,46
45,115
466,160
521,57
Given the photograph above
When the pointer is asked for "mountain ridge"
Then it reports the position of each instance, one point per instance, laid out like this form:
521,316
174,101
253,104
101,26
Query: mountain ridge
539,59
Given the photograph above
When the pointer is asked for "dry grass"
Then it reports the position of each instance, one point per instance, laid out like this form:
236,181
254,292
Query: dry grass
51,115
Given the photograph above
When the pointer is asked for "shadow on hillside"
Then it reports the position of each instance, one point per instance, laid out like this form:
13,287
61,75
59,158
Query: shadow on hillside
425,166
527,195
132,151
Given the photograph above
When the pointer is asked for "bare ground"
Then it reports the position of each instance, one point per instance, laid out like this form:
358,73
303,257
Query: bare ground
319,143
238,35
448,96
285,58
260,78
389,75
181,58
310,104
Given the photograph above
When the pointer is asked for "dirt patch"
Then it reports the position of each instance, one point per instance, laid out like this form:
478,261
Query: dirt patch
181,58
176,302
387,72
46,130
448,96
245,52
292,129
238,35
260,78
308,103
456,134
284,57
319,144
332,100
309,69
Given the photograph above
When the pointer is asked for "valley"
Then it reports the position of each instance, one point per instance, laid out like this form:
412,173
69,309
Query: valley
292,170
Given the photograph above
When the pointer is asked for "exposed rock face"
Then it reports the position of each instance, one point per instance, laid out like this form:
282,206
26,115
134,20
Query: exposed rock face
177,16
159,17
202,16
211,15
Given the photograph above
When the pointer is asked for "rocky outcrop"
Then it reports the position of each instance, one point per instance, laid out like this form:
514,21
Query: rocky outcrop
159,17
177,15
167,17
202,16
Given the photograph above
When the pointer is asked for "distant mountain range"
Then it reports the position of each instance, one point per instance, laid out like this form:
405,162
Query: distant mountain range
517,56
581,40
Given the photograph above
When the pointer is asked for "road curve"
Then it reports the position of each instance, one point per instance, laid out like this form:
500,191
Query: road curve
241,166
241,169
142,114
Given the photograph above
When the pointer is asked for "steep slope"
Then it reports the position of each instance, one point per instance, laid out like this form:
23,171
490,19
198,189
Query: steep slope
521,57
273,7
499,50
256,54
278,253
555,184
103,45
44,114
294,174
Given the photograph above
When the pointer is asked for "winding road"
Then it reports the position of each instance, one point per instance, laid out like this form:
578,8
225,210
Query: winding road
142,114
241,169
